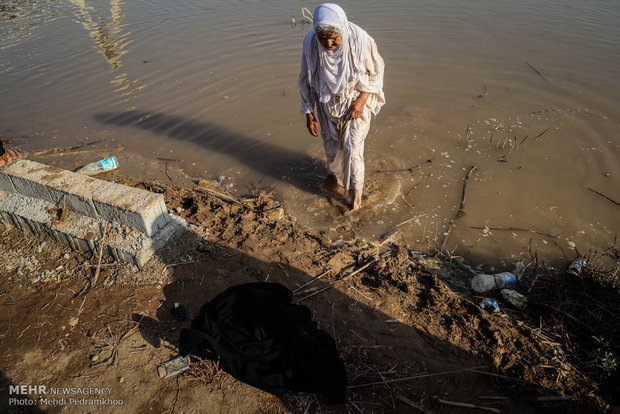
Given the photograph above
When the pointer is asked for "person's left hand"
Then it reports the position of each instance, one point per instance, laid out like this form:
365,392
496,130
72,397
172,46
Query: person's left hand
357,106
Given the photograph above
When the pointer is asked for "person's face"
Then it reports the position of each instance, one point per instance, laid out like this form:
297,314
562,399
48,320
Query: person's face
329,40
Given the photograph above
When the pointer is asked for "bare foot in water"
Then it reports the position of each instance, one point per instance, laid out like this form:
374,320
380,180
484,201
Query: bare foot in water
348,198
353,199
357,199
10,155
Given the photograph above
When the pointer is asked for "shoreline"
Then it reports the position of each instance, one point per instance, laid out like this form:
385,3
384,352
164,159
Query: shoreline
348,226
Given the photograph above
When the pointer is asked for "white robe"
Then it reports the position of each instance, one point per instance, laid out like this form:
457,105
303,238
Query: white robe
331,80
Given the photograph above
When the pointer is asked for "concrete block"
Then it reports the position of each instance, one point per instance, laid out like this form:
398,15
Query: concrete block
26,178
84,233
86,195
133,207
5,183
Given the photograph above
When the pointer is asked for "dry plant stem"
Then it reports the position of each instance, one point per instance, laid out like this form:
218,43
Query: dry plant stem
466,405
345,277
504,158
312,281
496,375
64,150
224,197
410,169
406,202
457,371
351,227
537,72
461,211
98,269
603,195
413,404
540,135
553,398
467,132
514,229
168,175
182,263
176,398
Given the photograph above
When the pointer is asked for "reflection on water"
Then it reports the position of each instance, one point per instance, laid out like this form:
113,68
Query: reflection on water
110,40
527,92
20,19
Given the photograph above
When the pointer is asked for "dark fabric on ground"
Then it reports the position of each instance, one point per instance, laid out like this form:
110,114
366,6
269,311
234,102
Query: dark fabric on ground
261,338
1,149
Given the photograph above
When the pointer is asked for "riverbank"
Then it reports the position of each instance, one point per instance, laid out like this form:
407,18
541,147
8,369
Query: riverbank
406,323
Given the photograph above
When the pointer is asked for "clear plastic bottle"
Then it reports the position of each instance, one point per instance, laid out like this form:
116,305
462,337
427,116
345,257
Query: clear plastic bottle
484,282
99,166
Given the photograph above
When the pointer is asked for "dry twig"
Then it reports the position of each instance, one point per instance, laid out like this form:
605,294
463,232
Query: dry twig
603,195
466,405
102,243
410,169
57,151
461,211
537,72
457,371
413,404
343,278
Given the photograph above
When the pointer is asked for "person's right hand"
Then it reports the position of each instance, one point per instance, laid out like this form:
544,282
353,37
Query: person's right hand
312,124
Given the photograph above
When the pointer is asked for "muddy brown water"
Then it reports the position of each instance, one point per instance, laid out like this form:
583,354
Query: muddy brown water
528,92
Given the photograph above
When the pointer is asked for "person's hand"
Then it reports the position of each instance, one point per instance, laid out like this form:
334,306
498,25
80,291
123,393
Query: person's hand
357,106
312,124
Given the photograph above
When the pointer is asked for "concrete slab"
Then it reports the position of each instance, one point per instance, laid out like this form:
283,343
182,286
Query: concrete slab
86,195
83,233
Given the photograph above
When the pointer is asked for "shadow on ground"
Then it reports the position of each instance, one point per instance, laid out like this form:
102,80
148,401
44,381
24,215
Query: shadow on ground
379,350
256,154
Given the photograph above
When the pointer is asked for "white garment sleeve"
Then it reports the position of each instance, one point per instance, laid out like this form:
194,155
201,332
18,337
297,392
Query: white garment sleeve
307,100
372,80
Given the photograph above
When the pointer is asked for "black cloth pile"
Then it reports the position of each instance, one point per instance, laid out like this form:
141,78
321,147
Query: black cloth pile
262,339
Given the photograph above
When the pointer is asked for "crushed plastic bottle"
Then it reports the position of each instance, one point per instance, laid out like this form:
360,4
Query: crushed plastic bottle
576,266
173,367
99,166
489,303
484,282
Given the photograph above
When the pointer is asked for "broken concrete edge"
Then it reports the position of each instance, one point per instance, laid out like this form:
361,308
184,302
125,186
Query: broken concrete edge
85,195
85,234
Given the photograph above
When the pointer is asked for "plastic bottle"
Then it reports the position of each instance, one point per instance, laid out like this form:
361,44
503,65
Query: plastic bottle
489,303
173,367
99,166
484,282
576,266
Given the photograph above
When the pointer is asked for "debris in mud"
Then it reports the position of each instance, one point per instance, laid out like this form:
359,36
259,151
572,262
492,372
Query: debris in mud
173,367
389,309
513,297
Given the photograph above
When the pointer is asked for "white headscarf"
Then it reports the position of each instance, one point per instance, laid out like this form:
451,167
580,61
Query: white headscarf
333,73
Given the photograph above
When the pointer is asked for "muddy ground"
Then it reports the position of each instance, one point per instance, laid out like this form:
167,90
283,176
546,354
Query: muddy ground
407,325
